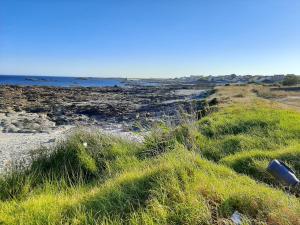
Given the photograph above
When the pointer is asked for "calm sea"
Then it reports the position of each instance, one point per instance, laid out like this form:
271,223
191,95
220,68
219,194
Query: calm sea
59,81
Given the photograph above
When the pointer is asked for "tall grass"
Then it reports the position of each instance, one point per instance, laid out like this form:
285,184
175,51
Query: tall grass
242,128
182,175
68,164
255,162
176,188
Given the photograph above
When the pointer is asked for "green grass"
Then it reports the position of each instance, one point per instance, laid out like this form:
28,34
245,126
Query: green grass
70,163
254,163
197,173
174,188
243,128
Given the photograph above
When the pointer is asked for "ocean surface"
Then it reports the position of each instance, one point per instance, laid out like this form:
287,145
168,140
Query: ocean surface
60,81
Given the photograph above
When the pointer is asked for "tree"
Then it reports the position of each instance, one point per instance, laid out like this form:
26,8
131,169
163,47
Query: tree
291,79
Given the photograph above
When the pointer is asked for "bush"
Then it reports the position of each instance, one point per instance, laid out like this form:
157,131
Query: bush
290,80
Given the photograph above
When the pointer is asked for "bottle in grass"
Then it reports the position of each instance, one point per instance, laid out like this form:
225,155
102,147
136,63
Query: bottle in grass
283,173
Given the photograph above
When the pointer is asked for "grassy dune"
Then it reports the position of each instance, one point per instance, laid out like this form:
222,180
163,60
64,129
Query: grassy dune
196,173
253,163
243,128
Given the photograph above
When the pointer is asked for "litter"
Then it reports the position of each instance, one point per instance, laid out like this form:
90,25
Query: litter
283,173
236,218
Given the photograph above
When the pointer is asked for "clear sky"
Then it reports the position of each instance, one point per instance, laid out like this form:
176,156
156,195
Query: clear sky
149,38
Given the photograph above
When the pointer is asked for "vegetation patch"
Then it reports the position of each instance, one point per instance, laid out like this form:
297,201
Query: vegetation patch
243,128
254,163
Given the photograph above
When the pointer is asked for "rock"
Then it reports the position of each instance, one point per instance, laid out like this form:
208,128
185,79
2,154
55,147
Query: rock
22,122
51,106
61,120
51,140
12,129
214,101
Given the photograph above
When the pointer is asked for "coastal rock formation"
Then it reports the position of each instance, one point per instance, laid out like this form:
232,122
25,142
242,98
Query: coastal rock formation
38,109
22,122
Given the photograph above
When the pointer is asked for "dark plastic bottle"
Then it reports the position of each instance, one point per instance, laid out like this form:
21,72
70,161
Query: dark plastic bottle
283,173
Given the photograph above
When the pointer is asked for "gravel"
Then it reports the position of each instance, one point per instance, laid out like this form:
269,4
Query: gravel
16,147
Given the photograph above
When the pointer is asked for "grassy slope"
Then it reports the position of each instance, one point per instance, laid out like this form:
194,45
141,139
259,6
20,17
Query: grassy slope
178,176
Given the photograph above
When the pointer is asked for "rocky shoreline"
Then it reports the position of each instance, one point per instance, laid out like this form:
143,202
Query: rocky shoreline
32,117
42,109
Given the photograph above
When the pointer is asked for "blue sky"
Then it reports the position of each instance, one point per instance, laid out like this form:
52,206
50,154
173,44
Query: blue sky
149,38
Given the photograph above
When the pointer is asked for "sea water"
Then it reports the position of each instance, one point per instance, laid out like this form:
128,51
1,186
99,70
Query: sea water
60,81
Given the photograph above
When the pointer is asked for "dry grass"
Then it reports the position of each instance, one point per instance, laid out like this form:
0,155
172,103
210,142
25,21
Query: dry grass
273,96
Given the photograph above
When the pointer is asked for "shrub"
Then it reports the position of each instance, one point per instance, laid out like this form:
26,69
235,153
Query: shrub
290,80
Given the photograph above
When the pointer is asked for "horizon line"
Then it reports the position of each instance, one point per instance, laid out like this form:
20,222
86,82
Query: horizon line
136,77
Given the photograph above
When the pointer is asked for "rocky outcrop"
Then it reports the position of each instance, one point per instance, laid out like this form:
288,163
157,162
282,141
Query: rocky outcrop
22,122
36,109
